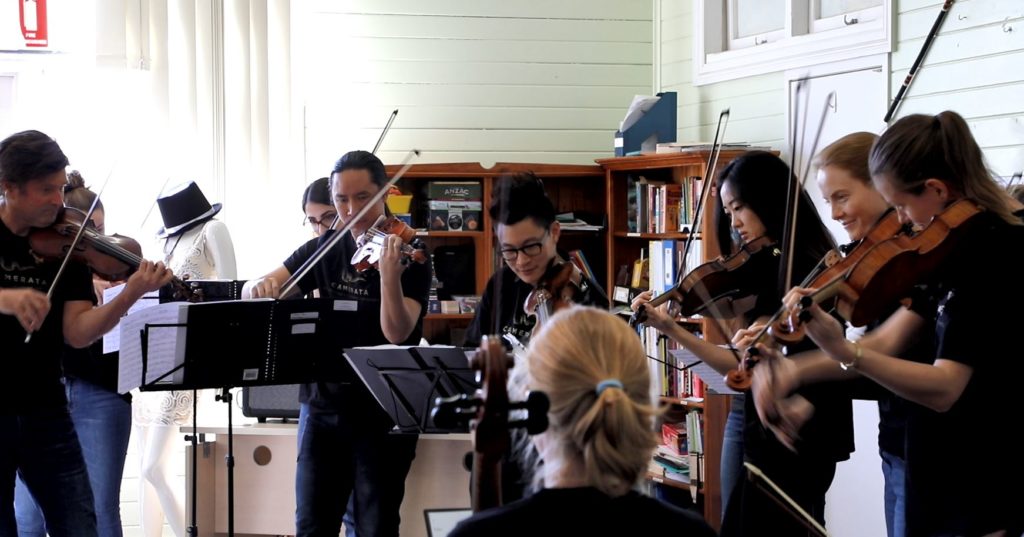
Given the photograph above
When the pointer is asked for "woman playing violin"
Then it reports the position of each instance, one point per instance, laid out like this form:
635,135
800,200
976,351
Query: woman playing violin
845,184
752,201
599,440
527,235
922,165
40,440
343,427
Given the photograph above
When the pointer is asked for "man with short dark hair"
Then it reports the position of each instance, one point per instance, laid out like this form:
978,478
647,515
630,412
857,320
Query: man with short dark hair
40,442
344,443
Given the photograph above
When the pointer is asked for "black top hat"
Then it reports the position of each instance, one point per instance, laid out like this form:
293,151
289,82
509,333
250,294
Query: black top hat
183,209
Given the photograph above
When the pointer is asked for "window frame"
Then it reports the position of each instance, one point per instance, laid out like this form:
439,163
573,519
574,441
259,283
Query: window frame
805,42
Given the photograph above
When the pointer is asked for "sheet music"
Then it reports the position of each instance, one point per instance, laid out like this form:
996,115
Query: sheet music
715,381
166,345
112,339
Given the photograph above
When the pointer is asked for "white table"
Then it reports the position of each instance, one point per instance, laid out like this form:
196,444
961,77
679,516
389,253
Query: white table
265,455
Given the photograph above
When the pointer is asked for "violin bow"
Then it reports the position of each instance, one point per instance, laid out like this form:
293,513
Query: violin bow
789,504
292,282
155,198
1013,179
920,57
74,243
387,127
380,140
709,176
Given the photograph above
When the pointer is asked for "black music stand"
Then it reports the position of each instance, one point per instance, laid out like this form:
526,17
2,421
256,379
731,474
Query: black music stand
407,380
249,343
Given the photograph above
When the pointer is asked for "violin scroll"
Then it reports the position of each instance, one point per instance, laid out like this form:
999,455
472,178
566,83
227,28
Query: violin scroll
488,416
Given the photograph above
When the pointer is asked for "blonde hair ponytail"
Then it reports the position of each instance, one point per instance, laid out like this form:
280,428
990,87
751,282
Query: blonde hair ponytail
610,431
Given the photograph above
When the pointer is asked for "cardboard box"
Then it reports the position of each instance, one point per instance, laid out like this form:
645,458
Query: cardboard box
455,191
455,216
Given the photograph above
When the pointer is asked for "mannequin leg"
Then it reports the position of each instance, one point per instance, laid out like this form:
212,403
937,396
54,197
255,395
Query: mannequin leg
157,452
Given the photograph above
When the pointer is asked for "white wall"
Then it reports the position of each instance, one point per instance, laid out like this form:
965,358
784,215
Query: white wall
483,82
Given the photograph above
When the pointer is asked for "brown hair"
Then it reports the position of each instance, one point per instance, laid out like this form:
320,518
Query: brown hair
921,147
609,431
77,195
849,153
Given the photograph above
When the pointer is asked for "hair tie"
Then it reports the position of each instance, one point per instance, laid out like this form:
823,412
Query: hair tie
608,383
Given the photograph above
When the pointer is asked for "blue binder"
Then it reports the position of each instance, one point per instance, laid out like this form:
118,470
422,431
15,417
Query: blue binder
659,124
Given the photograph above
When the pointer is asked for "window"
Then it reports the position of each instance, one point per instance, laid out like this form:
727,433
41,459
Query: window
739,38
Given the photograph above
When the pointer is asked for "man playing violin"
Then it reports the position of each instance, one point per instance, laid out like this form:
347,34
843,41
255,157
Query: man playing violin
527,234
344,445
41,444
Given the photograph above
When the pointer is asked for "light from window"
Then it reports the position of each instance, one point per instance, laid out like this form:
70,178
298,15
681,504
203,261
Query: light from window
756,17
832,8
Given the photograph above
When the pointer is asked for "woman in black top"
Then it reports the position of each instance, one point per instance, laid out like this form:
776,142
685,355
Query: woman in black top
599,441
527,235
751,204
921,165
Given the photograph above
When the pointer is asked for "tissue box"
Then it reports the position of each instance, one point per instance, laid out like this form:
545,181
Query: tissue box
455,215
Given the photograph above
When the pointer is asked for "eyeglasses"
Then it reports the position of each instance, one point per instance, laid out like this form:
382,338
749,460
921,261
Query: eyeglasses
325,219
532,249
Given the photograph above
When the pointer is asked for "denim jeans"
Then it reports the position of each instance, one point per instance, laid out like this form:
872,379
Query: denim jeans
731,470
894,470
341,455
103,423
44,450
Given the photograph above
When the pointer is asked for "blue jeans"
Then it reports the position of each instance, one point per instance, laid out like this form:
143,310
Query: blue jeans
731,470
103,423
894,470
342,456
44,451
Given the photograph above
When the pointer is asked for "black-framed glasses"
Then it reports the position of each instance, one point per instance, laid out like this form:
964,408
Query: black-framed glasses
325,219
531,250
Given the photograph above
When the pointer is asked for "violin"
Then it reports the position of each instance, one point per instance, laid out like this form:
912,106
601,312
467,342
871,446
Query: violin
111,257
371,244
788,329
488,416
879,276
887,272
554,292
717,279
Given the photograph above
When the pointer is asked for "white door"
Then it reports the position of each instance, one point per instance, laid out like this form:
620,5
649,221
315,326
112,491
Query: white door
854,505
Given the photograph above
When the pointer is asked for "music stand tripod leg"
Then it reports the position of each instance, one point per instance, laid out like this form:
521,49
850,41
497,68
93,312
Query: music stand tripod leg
193,528
229,460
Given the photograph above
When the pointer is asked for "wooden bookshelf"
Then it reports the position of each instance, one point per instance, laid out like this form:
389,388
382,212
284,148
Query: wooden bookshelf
625,246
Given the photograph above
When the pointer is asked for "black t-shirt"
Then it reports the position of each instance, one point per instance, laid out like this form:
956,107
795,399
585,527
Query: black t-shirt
92,365
583,511
337,278
828,435
974,303
510,315
31,377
